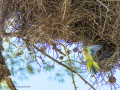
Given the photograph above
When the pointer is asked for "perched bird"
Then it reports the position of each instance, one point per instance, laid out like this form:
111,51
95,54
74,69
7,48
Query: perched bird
88,52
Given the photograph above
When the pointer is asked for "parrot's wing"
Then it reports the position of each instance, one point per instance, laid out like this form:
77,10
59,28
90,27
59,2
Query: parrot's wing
95,48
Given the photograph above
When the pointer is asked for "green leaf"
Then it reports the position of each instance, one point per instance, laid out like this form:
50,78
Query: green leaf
30,69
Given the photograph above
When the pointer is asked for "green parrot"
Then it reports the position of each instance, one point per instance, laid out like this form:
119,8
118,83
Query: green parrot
88,52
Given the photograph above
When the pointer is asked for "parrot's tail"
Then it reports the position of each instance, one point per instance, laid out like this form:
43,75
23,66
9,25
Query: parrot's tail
93,67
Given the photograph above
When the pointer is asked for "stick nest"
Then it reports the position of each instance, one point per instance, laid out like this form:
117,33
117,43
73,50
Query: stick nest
86,21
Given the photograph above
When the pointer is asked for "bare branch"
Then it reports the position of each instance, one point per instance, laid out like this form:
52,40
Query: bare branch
64,66
103,5
71,68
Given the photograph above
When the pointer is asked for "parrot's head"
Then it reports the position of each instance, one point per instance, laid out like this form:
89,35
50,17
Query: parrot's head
84,51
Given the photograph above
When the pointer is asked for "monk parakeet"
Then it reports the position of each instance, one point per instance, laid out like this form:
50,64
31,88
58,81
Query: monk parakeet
88,52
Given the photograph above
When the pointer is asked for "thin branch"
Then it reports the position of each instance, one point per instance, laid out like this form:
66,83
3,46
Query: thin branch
64,5
96,81
11,34
103,5
71,68
84,62
64,66
54,47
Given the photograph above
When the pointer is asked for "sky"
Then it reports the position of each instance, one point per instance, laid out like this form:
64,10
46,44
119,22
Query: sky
41,81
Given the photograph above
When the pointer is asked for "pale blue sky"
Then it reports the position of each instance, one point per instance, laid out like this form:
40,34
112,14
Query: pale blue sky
40,81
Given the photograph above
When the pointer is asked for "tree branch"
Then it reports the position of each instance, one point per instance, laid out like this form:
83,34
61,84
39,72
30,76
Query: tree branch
10,83
103,5
64,66
71,68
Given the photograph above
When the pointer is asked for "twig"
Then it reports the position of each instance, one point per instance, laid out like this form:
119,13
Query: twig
103,5
84,62
71,68
64,66
54,47
96,81
64,5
